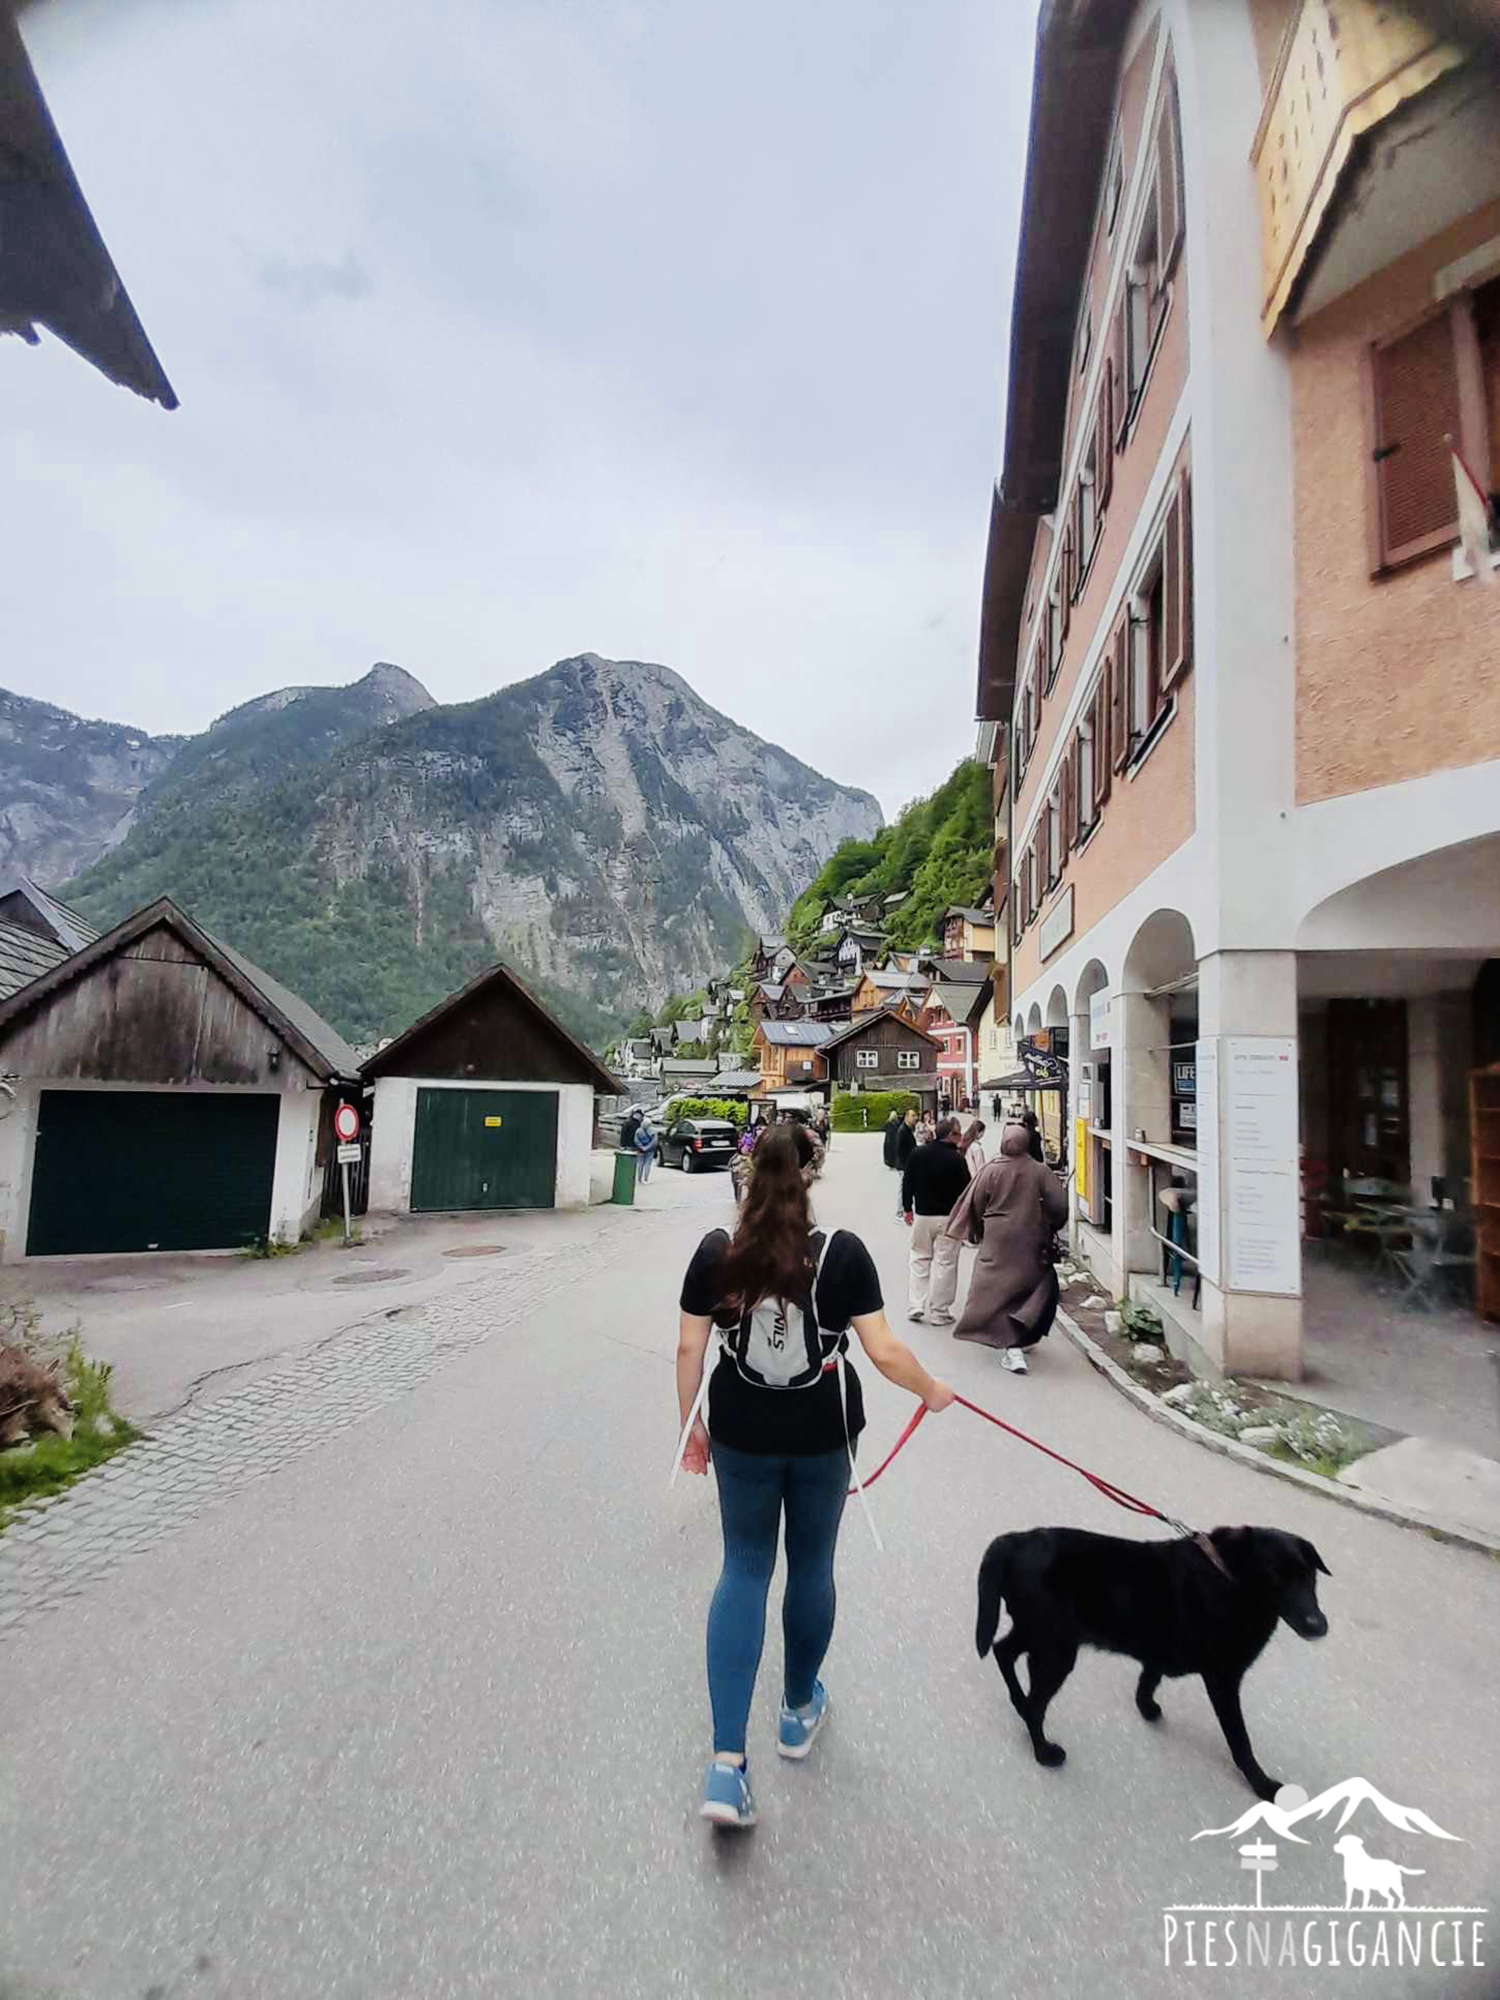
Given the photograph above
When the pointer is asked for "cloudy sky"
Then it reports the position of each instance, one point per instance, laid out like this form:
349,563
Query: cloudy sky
510,329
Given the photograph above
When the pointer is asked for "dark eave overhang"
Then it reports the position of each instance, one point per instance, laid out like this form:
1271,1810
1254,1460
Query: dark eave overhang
1078,48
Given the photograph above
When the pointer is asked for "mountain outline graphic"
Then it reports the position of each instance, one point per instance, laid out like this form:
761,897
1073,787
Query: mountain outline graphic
1350,1795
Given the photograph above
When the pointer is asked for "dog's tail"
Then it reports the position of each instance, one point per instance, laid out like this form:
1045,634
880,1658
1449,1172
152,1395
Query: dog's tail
991,1591
1411,1871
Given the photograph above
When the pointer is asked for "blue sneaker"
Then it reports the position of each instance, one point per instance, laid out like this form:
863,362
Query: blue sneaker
727,1798
799,1726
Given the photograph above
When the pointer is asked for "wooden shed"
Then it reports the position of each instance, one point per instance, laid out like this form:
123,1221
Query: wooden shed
486,1102
161,1093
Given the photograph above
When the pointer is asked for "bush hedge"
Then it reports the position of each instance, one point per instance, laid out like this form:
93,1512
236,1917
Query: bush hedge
867,1110
733,1108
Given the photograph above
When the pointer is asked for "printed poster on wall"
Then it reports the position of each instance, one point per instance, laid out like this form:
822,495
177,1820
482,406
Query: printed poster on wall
1208,1160
1260,1161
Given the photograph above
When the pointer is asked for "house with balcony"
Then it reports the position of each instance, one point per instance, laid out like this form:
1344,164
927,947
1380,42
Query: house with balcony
968,933
1236,662
945,1015
876,989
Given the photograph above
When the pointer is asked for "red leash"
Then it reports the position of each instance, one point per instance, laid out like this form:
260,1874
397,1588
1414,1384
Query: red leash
1105,1486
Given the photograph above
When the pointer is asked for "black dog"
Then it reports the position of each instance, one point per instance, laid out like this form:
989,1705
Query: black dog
1167,1604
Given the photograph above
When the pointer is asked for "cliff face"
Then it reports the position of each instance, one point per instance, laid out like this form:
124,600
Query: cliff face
600,827
69,788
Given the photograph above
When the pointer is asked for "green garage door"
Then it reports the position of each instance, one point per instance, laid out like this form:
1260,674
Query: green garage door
150,1170
485,1149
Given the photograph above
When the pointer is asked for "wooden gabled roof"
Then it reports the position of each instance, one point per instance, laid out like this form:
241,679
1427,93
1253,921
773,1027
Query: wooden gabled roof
387,1061
317,1045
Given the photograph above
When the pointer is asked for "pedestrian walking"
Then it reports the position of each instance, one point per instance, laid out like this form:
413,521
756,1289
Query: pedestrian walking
645,1152
892,1127
926,1129
783,1415
936,1177
972,1146
629,1129
1012,1211
1034,1136
904,1146
997,1109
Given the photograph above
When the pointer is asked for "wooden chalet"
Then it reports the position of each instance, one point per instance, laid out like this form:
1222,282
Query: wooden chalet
883,1050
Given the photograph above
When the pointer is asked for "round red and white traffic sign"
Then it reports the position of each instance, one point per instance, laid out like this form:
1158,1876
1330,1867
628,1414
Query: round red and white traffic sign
346,1123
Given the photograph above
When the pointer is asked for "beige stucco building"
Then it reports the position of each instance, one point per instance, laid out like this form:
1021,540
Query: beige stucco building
1238,680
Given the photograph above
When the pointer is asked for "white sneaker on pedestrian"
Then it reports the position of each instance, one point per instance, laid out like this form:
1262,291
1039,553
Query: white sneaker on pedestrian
1015,1361
915,1318
941,1319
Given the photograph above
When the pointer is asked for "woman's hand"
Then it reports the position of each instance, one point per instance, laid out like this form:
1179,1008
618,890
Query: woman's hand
695,1452
938,1396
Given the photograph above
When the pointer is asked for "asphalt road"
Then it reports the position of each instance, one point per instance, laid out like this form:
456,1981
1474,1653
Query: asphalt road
422,1712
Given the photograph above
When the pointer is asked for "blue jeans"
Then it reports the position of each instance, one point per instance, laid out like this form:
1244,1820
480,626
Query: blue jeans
753,1490
643,1167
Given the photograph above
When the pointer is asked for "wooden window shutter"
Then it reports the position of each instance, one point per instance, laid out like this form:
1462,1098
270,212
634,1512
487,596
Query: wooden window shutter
1413,398
1168,178
1177,586
1119,695
1073,805
1101,739
1043,859
1104,440
1064,593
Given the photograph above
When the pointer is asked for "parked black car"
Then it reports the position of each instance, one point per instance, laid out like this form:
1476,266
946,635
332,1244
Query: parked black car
695,1144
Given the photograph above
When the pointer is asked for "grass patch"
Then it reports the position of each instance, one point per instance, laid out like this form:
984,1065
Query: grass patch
46,1465
270,1246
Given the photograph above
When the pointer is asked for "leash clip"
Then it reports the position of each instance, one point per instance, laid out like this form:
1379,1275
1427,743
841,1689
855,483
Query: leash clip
1202,1540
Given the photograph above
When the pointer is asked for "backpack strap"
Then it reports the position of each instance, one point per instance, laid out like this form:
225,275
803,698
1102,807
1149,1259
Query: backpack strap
859,1486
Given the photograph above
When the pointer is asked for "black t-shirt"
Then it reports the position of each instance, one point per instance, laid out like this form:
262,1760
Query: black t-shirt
802,1422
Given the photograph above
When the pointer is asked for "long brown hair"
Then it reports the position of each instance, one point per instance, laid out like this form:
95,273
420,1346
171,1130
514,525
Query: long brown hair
771,1255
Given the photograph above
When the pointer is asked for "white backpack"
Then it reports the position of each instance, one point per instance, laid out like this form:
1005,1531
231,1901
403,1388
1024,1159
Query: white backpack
778,1344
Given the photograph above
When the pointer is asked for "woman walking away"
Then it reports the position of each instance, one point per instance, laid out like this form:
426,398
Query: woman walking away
645,1151
892,1127
783,1412
1012,1211
972,1146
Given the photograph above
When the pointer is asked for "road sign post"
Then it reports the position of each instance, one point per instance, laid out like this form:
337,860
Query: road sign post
346,1125
1259,1855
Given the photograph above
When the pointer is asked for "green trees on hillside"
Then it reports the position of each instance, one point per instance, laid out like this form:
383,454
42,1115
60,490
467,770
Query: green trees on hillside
938,852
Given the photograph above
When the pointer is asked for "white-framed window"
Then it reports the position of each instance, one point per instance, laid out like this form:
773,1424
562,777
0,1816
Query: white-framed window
908,1058
1054,836
867,1058
1086,773
1086,522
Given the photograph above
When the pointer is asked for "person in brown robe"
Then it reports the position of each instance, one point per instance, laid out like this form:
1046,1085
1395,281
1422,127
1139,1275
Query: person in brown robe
1011,1210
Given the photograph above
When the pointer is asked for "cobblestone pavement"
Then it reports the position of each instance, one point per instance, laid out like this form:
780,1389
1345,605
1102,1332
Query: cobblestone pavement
198,1458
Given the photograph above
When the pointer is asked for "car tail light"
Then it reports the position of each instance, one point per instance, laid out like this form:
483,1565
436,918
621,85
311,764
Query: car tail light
697,1145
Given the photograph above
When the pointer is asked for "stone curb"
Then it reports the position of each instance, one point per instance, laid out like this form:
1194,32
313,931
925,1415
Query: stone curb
1459,1535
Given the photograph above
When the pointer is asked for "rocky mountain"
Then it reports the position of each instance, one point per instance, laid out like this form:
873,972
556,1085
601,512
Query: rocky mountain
69,788
600,827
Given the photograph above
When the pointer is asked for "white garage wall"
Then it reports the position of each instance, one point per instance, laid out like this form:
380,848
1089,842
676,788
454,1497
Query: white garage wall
393,1136
296,1185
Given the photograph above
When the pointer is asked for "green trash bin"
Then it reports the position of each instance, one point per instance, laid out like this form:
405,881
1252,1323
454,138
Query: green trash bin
624,1179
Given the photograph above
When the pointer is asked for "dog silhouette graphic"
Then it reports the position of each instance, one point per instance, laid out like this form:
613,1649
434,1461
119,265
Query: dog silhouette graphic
1365,1875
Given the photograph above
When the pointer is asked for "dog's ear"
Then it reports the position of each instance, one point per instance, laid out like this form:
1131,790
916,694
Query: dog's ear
1312,1556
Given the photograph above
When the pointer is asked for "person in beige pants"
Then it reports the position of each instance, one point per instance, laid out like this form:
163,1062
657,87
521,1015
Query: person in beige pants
936,1176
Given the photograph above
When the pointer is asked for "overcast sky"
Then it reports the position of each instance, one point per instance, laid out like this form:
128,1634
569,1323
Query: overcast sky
511,329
